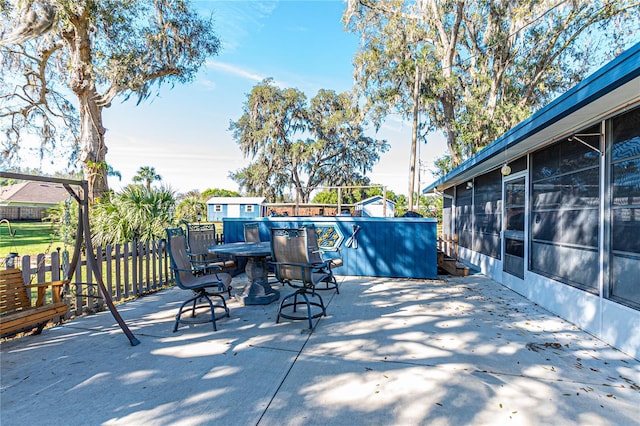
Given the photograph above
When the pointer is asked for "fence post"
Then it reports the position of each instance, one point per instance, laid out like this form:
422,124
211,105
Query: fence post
89,289
108,268
125,260
78,277
55,266
99,264
154,258
134,267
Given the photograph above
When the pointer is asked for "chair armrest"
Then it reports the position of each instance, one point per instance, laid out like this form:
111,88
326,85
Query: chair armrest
45,285
56,291
302,265
205,264
323,264
325,254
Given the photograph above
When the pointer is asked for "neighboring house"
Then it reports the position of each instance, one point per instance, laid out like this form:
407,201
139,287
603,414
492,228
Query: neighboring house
551,209
30,200
219,208
375,207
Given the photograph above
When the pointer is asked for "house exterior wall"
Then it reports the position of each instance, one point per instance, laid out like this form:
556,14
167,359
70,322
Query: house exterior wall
581,223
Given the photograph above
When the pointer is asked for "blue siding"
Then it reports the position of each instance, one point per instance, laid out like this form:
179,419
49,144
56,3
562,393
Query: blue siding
391,247
213,216
249,215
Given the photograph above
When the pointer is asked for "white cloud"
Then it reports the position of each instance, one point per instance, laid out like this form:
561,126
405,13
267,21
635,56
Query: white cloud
234,70
242,73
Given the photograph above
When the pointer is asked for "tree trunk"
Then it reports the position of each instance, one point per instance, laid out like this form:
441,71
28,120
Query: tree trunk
449,116
92,148
414,137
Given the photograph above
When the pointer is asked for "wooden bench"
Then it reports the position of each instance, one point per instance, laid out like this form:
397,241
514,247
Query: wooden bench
16,310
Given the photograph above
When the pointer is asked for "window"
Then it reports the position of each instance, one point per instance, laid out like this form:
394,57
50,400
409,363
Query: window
625,208
464,216
565,195
447,204
248,208
217,208
518,165
488,213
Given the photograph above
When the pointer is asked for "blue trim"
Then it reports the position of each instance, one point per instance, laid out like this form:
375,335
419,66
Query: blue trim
614,74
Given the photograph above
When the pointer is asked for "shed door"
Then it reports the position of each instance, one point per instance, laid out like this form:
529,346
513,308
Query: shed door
514,226
233,210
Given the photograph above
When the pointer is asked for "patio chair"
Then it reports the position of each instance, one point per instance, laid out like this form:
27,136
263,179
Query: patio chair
252,232
252,235
204,287
201,236
319,257
293,267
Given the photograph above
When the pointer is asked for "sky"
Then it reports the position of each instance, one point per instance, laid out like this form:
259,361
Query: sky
183,132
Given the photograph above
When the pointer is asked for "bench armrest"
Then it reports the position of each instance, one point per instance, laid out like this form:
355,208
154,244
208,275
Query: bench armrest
56,291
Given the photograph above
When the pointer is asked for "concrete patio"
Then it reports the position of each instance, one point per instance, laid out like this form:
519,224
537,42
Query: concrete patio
390,352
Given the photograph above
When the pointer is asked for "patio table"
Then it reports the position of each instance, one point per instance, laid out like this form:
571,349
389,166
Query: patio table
258,291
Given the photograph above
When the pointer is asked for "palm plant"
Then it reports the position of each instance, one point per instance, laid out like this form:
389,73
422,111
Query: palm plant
147,175
134,214
191,207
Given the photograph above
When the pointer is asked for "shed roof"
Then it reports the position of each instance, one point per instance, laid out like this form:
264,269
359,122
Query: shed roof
373,200
32,192
611,89
236,200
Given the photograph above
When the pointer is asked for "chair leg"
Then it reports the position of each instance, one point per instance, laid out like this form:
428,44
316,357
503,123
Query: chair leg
306,299
179,314
283,304
193,308
199,297
335,283
330,284
304,293
213,314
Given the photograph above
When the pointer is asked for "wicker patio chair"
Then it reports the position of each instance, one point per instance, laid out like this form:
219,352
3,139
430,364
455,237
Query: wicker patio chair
204,287
290,256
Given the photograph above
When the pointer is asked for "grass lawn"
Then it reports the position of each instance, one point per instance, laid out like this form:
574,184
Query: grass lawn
31,238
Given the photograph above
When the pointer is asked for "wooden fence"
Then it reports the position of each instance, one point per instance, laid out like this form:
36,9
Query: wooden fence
128,270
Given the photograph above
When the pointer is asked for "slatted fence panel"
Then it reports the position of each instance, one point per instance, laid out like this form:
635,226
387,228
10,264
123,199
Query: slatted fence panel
127,270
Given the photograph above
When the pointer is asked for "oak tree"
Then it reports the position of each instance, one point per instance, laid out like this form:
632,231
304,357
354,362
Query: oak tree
64,61
480,66
298,146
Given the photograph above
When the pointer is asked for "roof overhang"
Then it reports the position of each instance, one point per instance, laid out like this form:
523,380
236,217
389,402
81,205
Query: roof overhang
612,89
